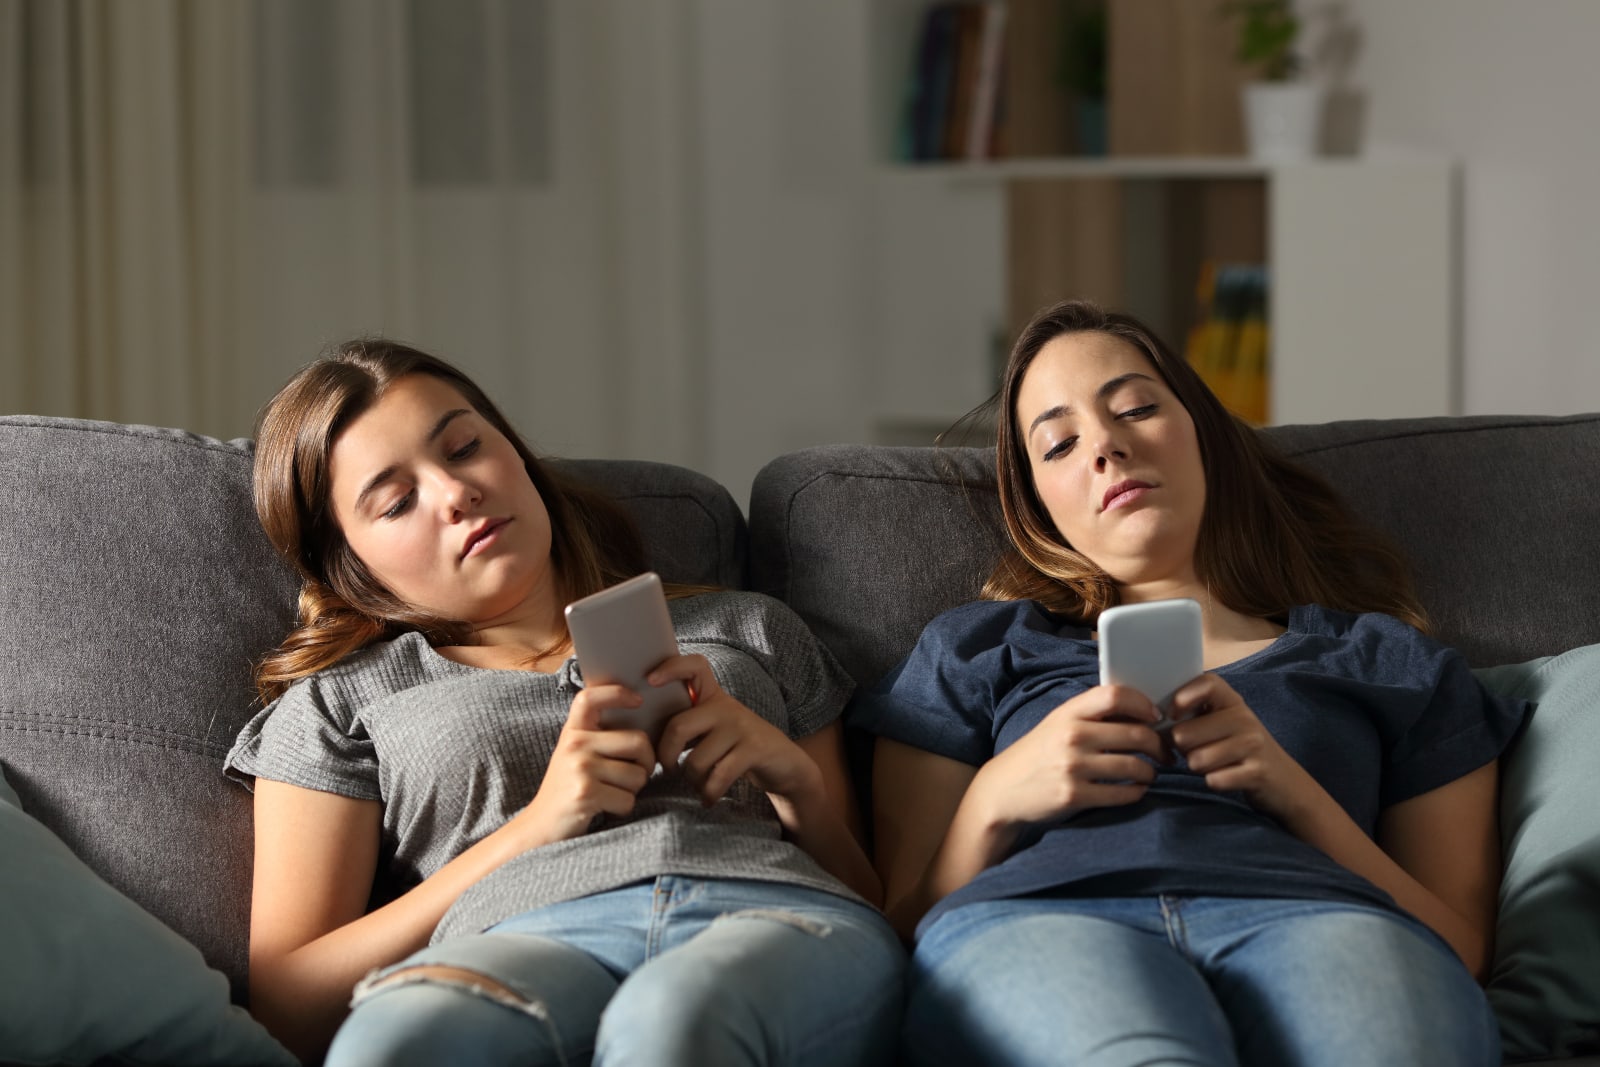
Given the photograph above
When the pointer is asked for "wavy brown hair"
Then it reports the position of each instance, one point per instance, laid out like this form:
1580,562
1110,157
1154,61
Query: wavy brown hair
1274,533
343,607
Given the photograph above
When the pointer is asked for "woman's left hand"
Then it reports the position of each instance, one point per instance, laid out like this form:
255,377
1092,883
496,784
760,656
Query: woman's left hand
1221,738
726,741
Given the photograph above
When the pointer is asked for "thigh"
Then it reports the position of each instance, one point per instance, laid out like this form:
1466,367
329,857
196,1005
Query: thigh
1311,983
1058,982
493,998
761,974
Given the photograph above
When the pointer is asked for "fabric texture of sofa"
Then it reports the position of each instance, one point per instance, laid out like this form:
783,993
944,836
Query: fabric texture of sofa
137,590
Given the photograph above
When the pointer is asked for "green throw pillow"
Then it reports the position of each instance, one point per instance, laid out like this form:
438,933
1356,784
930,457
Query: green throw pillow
85,973
1545,986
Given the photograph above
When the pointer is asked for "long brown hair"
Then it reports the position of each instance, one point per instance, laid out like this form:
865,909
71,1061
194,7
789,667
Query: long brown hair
1274,533
343,607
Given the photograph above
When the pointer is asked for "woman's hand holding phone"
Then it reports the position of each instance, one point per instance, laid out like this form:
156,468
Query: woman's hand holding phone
1221,738
726,741
1084,754
594,770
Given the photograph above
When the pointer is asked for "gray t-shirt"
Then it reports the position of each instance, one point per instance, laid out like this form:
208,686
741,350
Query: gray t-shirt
453,751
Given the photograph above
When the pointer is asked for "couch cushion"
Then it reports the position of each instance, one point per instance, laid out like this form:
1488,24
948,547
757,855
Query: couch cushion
694,531
1496,515
1545,985
867,543
138,590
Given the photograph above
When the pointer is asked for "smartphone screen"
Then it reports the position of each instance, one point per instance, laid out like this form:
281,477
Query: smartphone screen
620,635
1154,647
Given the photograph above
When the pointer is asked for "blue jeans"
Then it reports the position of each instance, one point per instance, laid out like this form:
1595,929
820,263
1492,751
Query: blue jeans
675,971
1185,980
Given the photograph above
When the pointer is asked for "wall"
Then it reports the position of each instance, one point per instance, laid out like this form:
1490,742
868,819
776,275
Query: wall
1510,90
723,273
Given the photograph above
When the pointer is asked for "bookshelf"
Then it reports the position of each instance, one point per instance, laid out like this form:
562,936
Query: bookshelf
1360,251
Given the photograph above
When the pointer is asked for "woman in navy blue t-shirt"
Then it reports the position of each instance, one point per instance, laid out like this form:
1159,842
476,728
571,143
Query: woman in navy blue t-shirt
1303,870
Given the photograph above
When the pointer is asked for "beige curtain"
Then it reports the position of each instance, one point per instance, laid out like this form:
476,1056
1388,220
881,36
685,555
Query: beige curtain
122,165
198,196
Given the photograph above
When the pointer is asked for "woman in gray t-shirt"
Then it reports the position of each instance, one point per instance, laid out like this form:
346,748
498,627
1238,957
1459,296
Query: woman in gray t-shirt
545,891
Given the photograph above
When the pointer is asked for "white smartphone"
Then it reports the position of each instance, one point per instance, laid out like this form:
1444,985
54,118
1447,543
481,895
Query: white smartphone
1154,647
620,635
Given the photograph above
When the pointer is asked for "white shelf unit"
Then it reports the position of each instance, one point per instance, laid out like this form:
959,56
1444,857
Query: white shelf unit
1362,251
1362,255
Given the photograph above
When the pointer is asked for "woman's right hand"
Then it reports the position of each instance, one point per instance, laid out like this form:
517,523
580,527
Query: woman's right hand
593,770
1084,754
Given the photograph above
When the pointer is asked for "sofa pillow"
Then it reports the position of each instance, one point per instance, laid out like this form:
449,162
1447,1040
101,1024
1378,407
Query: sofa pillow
85,973
1545,986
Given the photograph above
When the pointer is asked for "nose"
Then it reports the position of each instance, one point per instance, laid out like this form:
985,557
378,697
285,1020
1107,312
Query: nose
1108,447
456,496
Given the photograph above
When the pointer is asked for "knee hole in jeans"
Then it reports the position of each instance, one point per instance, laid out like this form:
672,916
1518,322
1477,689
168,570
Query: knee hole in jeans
452,977
803,923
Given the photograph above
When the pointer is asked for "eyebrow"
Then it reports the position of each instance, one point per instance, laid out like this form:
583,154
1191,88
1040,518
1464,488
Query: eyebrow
1099,394
384,475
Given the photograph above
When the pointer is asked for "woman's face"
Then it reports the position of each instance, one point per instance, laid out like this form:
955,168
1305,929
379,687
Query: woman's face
1114,457
438,504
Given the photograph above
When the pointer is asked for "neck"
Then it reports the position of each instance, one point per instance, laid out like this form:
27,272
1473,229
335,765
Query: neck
537,625
1219,623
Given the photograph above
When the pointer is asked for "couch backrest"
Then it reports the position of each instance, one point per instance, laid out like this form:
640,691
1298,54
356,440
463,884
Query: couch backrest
1497,516
136,591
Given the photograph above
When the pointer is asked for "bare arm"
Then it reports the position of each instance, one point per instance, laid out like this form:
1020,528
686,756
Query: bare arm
316,855
939,822
1436,854
310,941
1444,848
915,798
834,831
806,780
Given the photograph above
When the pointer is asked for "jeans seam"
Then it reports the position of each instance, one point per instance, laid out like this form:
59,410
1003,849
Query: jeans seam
1172,921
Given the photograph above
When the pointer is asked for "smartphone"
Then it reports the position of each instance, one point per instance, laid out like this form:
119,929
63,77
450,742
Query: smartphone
1154,647
620,635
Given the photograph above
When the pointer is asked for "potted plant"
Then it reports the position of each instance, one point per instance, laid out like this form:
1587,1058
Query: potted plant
1081,71
1283,113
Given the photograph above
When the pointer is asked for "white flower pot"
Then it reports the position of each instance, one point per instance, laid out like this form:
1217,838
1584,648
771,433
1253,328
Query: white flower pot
1283,120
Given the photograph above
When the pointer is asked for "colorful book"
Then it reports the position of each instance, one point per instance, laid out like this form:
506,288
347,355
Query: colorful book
986,95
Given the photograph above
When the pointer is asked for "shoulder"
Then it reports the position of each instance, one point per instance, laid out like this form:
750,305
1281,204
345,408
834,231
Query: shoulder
377,671
1376,643
738,618
1365,626
738,630
984,624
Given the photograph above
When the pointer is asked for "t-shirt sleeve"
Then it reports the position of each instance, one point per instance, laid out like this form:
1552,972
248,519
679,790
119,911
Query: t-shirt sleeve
311,738
776,644
1457,727
942,697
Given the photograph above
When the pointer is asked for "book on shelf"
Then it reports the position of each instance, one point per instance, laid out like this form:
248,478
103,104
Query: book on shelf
953,99
1229,345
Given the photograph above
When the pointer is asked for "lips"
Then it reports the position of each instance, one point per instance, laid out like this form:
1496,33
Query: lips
1119,489
487,529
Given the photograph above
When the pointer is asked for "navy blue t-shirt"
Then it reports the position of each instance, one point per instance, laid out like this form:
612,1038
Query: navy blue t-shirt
1376,712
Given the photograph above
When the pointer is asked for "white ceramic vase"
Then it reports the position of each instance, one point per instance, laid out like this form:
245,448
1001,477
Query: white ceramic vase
1283,120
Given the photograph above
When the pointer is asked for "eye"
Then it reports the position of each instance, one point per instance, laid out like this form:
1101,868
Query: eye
398,508
467,450
1139,412
1060,448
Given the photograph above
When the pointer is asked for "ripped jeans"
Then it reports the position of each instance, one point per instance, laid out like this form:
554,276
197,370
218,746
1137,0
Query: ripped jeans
685,971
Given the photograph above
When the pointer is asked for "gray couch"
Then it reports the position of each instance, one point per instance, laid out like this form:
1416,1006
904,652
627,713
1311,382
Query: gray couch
136,590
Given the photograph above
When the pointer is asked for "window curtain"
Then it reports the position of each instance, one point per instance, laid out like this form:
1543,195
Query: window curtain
122,166
198,196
